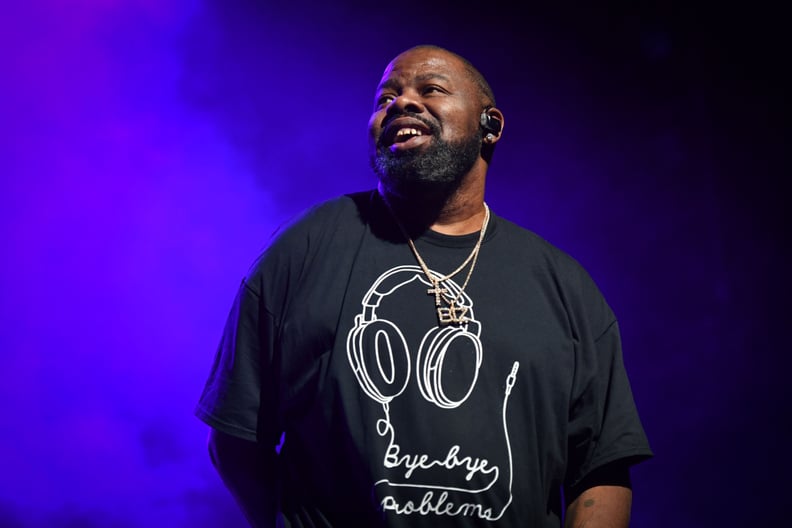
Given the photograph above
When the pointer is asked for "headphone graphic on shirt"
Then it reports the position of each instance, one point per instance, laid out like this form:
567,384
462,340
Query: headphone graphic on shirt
380,357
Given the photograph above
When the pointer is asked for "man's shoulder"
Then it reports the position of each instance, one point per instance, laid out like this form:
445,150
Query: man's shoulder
328,208
539,248
328,214
312,228
548,260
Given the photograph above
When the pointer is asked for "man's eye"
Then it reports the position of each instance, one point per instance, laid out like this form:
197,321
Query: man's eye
384,99
433,89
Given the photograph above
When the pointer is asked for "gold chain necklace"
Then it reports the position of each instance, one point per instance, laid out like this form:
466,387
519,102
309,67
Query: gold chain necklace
454,313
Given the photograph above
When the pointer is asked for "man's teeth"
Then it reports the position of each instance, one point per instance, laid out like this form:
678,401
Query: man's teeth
408,131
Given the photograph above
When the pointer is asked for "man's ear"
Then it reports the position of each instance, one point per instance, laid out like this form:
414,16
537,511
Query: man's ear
492,124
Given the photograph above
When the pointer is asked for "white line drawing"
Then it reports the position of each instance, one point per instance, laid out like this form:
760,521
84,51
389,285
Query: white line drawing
380,358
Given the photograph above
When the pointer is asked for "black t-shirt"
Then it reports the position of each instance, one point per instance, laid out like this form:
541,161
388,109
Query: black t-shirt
393,419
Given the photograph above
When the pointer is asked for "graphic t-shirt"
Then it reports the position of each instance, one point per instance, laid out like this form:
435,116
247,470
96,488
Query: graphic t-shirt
394,418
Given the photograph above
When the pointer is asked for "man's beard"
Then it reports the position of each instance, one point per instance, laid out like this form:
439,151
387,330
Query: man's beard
437,170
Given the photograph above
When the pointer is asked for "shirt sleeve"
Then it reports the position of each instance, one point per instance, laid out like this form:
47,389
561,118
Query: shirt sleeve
604,424
239,396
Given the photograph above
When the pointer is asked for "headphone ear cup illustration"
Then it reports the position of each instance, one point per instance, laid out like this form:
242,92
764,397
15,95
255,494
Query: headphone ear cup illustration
380,359
453,353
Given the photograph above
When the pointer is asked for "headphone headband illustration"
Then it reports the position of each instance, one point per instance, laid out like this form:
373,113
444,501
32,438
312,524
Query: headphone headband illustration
380,357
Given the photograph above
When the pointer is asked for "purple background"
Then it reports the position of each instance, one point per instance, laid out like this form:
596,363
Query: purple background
150,148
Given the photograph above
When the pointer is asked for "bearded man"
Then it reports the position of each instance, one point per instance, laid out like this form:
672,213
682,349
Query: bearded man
405,357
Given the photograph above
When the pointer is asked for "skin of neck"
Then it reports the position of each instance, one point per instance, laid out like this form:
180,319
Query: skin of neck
458,212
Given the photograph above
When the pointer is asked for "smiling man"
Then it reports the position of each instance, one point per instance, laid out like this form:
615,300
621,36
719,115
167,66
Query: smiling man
425,362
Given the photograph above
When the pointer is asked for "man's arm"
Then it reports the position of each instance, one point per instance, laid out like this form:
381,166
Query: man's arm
602,500
248,471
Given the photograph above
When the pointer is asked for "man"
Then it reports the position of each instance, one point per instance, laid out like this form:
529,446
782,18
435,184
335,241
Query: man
431,363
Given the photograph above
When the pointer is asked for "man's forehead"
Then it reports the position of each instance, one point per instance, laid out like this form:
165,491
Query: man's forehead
424,65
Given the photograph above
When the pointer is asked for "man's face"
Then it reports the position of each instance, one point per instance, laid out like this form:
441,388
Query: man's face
424,132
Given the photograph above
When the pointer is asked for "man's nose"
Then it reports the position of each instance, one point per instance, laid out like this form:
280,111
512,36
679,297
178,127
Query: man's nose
407,101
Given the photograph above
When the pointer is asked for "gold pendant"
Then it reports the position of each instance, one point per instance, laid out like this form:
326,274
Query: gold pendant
452,314
438,292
